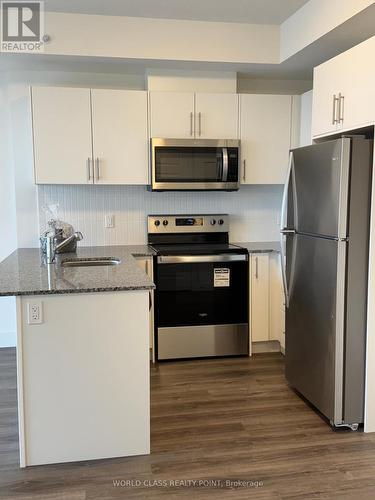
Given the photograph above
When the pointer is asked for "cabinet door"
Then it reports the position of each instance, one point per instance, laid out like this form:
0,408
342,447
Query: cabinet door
259,297
120,141
265,132
62,135
146,264
357,86
327,84
172,115
216,116
277,300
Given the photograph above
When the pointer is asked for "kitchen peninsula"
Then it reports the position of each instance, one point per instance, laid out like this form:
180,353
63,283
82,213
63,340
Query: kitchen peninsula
82,353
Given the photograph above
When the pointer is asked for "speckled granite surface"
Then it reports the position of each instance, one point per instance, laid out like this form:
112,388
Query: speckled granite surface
260,246
25,272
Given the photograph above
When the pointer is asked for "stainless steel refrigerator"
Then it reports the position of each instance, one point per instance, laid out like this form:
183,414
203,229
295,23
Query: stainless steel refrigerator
325,238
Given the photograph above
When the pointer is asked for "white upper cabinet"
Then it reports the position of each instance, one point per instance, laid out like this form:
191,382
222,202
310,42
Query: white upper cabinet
83,136
216,116
120,140
344,91
358,86
183,115
265,133
172,115
327,98
62,135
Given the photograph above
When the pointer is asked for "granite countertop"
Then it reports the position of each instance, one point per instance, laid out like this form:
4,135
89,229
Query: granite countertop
260,246
25,272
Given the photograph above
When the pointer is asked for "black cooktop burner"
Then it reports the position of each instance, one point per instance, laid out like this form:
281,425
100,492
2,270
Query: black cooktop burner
199,249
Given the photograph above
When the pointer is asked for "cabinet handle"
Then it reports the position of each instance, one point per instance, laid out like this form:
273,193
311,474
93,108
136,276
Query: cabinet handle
256,268
336,100
200,123
146,266
97,168
341,108
191,123
88,165
244,171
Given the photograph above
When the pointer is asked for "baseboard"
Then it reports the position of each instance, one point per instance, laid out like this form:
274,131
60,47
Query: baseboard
8,339
269,346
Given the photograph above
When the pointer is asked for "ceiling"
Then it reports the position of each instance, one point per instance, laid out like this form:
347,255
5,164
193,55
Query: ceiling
234,11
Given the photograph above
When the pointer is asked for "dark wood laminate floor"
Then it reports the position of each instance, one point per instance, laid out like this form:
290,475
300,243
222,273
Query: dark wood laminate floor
233,419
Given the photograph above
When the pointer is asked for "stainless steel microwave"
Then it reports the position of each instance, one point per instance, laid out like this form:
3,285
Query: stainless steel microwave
194,165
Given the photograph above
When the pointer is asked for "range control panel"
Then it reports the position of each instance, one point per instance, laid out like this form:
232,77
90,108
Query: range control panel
208,223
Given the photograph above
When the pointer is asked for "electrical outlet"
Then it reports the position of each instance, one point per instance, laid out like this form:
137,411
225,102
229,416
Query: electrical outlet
35,313
109,221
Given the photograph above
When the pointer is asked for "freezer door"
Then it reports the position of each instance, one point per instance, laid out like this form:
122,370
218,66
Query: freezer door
315,322
321,176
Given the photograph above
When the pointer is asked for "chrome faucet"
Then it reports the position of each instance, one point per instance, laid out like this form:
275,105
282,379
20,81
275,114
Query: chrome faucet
52,248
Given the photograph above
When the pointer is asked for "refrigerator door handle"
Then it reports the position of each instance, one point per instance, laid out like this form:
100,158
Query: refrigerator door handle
283,273
285,231
285,193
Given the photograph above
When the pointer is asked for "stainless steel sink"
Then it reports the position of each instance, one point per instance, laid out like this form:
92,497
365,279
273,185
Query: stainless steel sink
100,261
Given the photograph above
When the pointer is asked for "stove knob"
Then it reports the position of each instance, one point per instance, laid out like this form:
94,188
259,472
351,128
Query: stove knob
212,222
157,223
165,223
221,222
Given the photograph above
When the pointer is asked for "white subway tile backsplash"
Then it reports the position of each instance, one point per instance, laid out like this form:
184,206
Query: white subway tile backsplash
254,210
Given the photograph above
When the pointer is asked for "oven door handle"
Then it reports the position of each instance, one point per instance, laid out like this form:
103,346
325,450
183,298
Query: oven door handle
197,259
225,165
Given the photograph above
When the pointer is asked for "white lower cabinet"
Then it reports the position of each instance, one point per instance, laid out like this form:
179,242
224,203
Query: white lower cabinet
277,301
259,297
267,311
83,377
146,264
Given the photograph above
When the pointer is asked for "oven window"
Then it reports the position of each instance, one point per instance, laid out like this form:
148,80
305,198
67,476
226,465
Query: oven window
187,164
189,294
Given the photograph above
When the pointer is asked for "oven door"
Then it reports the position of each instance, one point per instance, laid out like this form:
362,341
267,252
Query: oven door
194,165
202,305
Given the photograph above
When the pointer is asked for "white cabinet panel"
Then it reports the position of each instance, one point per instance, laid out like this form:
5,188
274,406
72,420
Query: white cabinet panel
62,135
357,87
259,297
216,116
172,115
277,301
146,264
265,132
349,77
120,140
85,391
326,91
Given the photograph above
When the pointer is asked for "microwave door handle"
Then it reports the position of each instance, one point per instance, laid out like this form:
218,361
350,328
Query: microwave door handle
225,165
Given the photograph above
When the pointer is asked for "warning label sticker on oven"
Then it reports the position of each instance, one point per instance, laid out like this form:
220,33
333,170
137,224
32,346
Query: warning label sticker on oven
221,276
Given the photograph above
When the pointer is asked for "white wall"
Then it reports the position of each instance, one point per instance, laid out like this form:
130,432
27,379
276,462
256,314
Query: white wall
162,39
8,239
306,118
315,19
191,81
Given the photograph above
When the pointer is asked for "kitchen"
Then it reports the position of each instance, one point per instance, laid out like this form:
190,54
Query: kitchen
94,172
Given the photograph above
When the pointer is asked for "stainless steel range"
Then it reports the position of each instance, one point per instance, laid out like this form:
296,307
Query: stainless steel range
201,300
